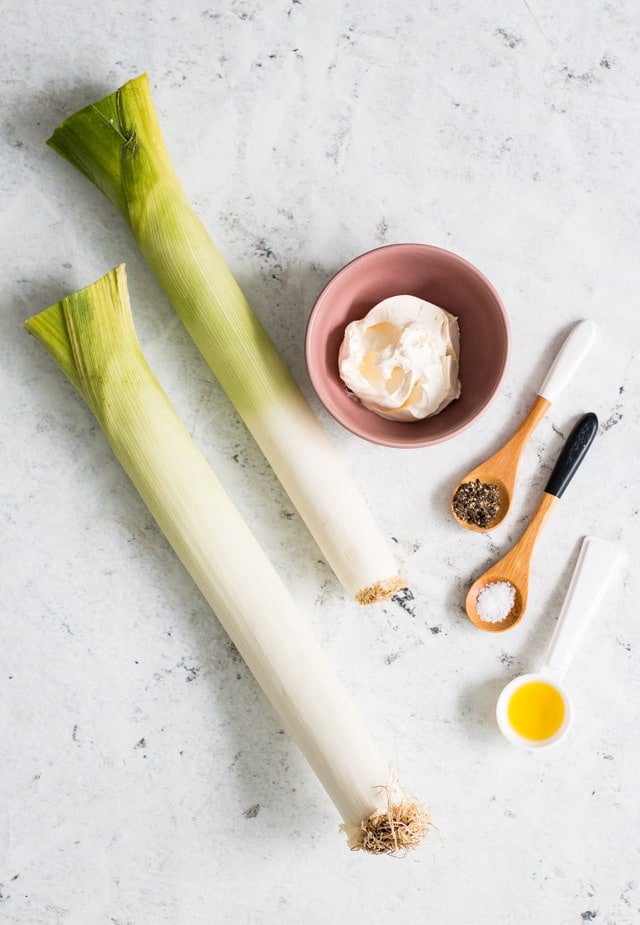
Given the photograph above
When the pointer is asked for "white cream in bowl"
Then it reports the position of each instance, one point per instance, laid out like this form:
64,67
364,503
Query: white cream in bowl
401,359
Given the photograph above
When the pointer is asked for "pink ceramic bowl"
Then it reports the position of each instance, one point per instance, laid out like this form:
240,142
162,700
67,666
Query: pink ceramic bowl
433,274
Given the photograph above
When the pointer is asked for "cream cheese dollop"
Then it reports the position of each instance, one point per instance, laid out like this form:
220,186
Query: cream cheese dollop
401,359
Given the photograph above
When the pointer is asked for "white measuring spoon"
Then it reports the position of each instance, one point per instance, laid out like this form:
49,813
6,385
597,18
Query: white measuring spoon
539,699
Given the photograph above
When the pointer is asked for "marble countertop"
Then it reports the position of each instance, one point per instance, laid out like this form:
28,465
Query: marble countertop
144,779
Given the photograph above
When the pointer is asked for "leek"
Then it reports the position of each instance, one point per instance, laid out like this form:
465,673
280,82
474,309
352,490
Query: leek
117,143
90,335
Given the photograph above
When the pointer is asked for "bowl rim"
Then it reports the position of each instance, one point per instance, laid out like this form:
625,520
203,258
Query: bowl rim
390,441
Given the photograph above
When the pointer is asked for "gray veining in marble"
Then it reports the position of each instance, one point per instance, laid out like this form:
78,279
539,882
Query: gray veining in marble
143,777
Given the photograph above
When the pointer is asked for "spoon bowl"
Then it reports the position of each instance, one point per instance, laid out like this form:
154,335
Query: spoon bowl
511,617
541,721
494,477
512,569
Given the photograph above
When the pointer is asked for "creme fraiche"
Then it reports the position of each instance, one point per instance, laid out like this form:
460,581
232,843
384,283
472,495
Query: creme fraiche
402,359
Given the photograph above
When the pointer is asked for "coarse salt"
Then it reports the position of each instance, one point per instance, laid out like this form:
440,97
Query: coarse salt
495,602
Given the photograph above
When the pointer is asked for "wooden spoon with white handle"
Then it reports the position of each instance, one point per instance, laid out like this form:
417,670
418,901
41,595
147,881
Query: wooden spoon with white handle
482,498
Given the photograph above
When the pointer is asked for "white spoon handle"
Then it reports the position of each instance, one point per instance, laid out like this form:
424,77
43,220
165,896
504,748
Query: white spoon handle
597,565
569,357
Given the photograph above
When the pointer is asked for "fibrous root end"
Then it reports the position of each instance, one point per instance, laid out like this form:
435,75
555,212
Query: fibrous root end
381,590
396,830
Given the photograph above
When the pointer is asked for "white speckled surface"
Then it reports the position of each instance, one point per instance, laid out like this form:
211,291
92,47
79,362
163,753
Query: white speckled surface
143,777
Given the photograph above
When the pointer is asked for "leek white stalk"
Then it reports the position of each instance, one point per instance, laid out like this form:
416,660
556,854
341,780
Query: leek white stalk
117,143
90,335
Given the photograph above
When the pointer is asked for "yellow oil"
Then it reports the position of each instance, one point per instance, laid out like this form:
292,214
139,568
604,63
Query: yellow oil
536,710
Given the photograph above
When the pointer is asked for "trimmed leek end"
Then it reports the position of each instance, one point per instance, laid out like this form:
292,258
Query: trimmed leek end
87,330
381,590
396,830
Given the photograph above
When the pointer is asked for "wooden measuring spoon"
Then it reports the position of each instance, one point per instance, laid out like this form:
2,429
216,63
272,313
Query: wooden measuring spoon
513,569
500,469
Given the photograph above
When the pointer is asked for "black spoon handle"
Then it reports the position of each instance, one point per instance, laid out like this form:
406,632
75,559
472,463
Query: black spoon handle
573,452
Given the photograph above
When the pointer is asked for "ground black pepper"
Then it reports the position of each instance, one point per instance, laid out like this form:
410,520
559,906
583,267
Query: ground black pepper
477,503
